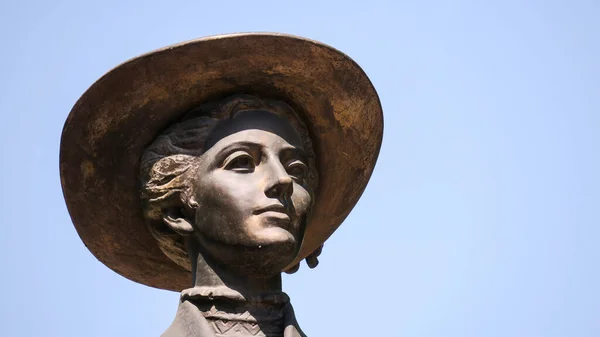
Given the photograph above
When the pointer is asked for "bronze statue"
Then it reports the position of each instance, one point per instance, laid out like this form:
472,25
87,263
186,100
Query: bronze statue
218,164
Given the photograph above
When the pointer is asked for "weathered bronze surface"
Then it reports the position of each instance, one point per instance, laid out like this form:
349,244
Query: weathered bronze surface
217,164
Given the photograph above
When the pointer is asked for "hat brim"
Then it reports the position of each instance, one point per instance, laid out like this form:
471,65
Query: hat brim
113,122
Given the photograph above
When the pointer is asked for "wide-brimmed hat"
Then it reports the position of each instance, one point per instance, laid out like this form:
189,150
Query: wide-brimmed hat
114,121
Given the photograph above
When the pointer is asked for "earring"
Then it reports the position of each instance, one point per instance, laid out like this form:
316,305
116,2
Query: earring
311,260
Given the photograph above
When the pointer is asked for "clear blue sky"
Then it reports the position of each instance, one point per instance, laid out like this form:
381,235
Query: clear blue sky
481,219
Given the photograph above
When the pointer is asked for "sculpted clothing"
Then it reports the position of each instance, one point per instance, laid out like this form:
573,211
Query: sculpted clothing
213,312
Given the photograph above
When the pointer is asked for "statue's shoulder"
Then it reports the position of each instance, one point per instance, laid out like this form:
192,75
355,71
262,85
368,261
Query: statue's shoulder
189,322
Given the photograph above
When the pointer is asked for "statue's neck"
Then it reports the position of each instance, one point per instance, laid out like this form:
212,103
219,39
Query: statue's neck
208,274
234,305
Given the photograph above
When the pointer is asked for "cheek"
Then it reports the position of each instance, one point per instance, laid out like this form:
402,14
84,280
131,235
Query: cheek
221,208
301,199
227,195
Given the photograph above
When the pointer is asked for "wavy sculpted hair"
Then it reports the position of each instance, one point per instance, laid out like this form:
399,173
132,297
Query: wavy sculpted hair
168,162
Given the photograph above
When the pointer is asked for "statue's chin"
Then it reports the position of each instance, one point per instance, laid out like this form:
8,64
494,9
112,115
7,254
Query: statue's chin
274,247
263,254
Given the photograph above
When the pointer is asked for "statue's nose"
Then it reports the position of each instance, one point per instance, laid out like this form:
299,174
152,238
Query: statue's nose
280,184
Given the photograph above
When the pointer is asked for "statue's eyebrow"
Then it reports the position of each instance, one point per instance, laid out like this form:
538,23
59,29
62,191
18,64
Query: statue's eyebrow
295,151
240,144
255,148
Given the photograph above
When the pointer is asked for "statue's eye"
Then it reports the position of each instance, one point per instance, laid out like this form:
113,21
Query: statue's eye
240,161
297,170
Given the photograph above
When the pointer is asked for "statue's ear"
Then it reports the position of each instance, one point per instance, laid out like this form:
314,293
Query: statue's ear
175,219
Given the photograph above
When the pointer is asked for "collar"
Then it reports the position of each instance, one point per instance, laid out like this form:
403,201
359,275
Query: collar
230,295
223,312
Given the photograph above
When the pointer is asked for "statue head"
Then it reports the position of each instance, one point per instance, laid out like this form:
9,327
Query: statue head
234,179
159,166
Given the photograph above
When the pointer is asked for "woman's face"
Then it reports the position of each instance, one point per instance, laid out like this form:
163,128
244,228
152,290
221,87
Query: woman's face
251,193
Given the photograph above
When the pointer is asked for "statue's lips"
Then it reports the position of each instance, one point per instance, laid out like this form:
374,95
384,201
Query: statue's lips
276,208
276,212
277,215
